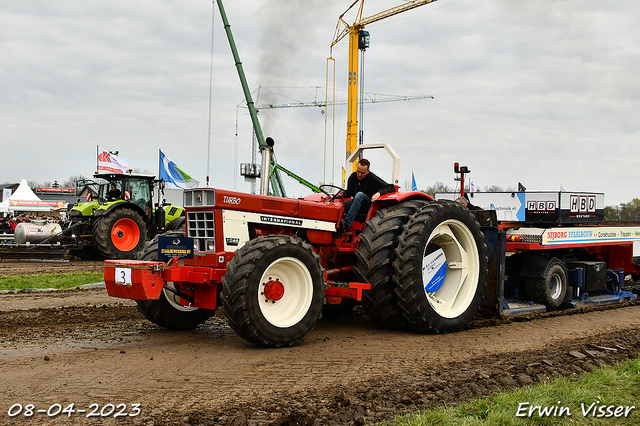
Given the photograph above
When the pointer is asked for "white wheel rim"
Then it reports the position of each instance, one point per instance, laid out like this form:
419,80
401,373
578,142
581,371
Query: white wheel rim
174,300
555,286
295,302
462,272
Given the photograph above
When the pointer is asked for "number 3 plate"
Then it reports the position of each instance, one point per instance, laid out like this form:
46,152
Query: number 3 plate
123,276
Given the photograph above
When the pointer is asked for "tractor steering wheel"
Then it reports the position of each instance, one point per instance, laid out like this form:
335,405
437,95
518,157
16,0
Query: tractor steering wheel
328,194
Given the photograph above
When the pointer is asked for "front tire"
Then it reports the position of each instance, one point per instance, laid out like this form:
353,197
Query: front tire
120,234
167,311
375,256
440,268
273,290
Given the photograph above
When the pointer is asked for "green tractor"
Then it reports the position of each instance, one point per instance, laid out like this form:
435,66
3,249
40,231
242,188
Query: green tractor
117,222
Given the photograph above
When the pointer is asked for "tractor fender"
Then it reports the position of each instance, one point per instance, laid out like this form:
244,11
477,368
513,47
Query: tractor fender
396,198
173,213
176,223
538,266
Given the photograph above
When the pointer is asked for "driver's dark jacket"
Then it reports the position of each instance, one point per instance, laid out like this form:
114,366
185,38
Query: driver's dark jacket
369,185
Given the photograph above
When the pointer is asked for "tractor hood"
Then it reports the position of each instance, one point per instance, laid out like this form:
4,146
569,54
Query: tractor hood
88,208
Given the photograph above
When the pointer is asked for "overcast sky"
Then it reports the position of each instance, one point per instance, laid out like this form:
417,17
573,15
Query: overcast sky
538,92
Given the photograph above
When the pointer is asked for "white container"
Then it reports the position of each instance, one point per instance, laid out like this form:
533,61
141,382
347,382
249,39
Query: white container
36,232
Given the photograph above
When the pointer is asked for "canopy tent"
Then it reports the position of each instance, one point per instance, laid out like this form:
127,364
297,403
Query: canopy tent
25,200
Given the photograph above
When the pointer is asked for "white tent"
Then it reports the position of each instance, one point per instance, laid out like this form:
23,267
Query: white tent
24,199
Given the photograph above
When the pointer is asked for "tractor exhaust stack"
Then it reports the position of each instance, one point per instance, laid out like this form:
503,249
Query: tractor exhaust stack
267,152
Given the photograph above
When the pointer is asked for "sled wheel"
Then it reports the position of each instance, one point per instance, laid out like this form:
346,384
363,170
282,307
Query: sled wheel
273,290
120,234
550,290
167,311
440,268
375,256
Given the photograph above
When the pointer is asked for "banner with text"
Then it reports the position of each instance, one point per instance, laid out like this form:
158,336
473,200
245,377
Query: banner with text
110,163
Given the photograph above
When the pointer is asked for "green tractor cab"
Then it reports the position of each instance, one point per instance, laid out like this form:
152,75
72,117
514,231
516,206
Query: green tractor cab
117,222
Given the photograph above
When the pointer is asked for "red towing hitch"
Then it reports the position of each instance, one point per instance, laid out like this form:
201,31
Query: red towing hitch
134,279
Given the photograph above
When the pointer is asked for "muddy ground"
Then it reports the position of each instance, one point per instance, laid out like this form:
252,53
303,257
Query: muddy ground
83,347
48,267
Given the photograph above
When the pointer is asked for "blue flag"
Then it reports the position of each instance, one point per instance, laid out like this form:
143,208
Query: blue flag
169,172
414,187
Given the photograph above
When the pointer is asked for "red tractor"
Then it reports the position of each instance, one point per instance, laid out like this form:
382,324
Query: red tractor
273,263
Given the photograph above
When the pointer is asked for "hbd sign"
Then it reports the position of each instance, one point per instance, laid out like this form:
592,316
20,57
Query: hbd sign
582,204
541,206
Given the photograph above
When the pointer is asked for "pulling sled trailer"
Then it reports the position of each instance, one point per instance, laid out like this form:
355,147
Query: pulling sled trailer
552,249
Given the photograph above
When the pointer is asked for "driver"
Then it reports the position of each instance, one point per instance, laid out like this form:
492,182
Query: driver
114,193
365,187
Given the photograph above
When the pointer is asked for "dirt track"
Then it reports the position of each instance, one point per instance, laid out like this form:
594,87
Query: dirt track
83,347
48,267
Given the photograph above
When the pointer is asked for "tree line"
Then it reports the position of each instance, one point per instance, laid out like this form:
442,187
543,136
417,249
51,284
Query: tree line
70,182
440,187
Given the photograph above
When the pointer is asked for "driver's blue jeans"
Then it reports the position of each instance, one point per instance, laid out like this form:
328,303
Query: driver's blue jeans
360,204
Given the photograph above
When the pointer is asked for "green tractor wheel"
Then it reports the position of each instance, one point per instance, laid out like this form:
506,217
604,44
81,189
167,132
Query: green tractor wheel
120,234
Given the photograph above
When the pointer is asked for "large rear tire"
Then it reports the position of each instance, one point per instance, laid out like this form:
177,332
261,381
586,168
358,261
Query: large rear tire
167,311
375,256
273,290
120,234
440,268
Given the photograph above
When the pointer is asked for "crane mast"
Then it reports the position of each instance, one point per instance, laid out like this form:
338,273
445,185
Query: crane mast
355,31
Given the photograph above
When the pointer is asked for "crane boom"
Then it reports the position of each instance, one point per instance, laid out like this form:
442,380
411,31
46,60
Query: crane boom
340,34
394,11
373,99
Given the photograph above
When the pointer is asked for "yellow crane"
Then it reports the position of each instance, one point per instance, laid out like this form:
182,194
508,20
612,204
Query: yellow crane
359,40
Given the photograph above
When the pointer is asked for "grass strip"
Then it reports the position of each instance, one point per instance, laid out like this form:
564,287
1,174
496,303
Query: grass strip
55,281
590,399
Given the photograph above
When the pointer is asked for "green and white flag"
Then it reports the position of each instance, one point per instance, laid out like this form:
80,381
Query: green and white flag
174,174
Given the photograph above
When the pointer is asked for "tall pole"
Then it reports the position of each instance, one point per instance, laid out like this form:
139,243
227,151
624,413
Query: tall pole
352,93
278,186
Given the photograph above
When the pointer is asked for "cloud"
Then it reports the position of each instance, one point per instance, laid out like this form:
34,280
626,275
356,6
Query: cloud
542,93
